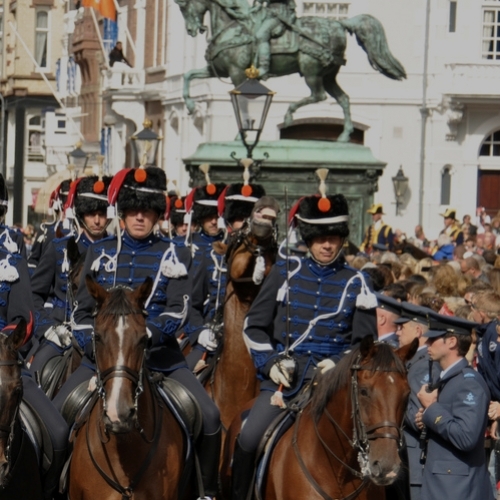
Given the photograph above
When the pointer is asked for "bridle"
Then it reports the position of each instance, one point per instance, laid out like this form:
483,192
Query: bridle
136,377
8,430
360,441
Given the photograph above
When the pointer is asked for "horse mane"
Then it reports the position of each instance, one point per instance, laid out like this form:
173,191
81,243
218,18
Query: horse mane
383,357
118,303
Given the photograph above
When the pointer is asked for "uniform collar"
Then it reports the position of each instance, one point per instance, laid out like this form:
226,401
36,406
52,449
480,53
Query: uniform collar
149,240
325,270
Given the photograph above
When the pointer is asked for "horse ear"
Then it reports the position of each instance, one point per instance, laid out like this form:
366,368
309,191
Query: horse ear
142,293
96,290
407,352
366,345
16,339
73,252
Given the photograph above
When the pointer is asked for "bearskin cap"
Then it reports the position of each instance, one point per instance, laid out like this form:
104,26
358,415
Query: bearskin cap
177,210
239,200
205,201
64,191
313,220
4,194
91,195
148,194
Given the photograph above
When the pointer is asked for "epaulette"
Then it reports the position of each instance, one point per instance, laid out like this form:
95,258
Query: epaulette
469,375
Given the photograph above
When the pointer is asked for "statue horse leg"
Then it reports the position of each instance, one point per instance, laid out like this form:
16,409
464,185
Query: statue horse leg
205,72
333,88
315,83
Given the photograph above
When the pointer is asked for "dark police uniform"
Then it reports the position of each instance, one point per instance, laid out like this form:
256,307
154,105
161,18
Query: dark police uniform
16,303
455,466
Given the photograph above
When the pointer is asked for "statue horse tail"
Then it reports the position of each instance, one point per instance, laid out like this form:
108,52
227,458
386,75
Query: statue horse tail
370,35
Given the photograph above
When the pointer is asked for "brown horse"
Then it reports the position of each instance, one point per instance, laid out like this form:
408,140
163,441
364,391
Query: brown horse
234,381
129,445
345,443
17,455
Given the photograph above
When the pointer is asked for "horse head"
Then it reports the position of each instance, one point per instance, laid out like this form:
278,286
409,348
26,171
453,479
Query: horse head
11,392
193,12
120,342
379,394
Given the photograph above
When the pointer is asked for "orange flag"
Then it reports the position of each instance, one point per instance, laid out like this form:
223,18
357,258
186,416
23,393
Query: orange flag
105,7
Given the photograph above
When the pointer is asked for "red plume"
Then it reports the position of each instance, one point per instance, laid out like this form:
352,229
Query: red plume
72,193
116,184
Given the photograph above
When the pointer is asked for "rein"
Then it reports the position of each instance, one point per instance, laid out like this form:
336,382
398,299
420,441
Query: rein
360,441
136,377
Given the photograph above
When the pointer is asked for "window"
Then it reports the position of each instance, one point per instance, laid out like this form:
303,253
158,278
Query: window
446,185
453,17
491,145
35,138
326,9
42,38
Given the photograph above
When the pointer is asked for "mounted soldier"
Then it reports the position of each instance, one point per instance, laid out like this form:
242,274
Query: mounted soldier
86,207
56,208
126,260
278,16
378,233
287,347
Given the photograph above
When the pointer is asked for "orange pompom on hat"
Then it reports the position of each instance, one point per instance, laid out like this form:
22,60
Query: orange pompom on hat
91,195
321,214
204,198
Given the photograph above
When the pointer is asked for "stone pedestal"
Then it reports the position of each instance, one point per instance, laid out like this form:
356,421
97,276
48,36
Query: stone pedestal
354,172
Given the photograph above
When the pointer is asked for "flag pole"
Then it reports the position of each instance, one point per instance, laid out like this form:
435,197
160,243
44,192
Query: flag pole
127,32
45,79
98,31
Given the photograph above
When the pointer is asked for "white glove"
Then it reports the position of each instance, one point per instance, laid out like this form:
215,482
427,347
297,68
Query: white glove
282,372
326,364
59,335
207,339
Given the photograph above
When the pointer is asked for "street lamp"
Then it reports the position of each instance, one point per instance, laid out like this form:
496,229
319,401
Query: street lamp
145,144
77,160
400,182
251,101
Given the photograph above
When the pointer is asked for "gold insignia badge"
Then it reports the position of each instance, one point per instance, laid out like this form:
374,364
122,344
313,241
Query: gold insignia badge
438,419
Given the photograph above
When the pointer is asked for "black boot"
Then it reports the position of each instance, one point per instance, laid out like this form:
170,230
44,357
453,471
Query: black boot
51,479
242,474
209,455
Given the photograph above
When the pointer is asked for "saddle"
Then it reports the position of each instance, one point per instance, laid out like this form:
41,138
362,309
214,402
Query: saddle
34,427
53,370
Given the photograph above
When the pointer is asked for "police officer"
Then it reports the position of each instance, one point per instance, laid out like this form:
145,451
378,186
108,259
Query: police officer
290,332
127,260
87,202
413,324
15,304
455,415
451,227
10,238
56,207
388,311
378,232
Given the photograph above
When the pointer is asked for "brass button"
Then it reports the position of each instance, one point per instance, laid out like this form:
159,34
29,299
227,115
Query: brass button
449,471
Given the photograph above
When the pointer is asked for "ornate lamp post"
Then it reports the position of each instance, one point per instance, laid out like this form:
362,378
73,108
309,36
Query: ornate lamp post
400,183
251,101
77,160
145,144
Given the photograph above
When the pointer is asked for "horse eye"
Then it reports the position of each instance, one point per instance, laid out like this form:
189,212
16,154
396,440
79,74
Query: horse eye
363,392
97,337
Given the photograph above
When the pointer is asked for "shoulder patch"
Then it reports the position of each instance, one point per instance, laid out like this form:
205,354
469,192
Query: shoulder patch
470,399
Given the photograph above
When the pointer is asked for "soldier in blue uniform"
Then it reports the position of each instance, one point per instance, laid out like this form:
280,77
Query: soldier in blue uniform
10,238
87,201
15,304
413,324
56,207
455,415
451,226
291,331
127,260
177,217
207,272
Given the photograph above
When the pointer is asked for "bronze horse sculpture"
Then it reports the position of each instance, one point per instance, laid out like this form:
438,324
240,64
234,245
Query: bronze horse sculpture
234,380
317,56
345,442
129,444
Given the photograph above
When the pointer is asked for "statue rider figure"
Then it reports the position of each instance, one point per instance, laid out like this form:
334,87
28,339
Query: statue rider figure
277,14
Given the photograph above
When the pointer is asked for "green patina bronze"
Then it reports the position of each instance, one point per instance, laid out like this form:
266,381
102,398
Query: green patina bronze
270,36
354,172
